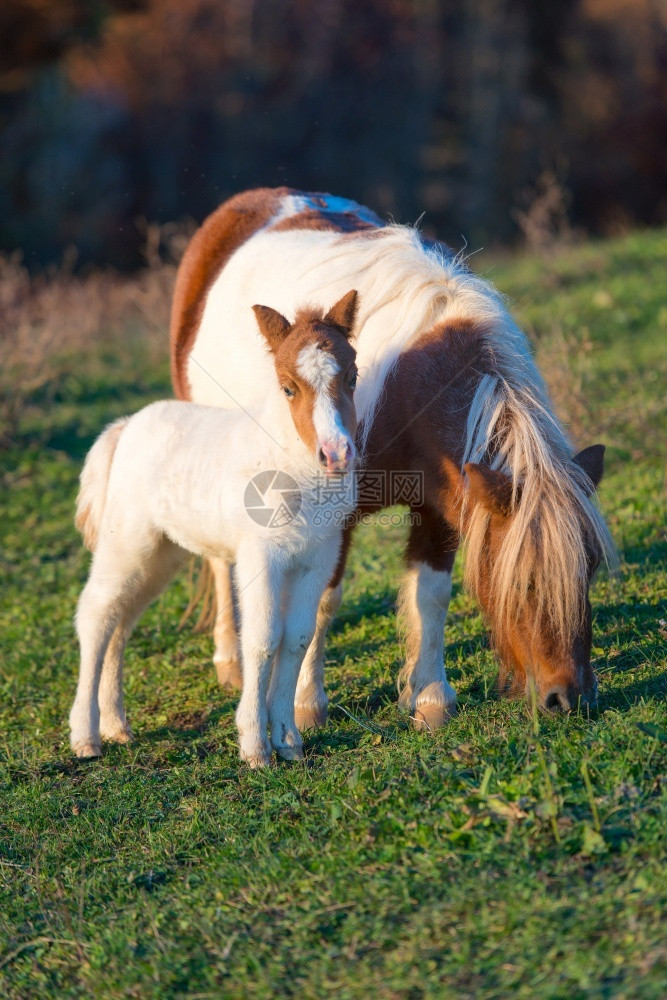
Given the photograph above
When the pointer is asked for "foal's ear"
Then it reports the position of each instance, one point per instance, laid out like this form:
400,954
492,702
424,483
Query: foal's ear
272,325
591,460
490,488
343,314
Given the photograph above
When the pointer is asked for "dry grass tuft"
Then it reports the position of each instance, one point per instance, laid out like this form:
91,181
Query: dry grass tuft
50,325
543,216
568,364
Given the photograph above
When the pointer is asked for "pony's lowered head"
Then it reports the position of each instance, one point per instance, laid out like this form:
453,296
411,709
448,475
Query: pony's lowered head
533,548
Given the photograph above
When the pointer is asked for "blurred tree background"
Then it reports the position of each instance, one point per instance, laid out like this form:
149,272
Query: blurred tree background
495,117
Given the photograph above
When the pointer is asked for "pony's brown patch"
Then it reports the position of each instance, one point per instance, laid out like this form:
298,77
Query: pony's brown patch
323,221
223,232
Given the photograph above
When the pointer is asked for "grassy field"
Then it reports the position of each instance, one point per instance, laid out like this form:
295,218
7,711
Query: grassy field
510,855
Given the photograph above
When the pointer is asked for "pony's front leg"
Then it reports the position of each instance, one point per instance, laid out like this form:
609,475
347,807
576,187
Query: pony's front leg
310,700
423,603
300,619
226,652
260,583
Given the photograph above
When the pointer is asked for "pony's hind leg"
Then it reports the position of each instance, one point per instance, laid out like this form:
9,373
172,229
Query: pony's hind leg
226,654
156,572
424,600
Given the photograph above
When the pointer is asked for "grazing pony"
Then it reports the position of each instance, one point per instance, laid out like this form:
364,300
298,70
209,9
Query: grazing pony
177,478
448,394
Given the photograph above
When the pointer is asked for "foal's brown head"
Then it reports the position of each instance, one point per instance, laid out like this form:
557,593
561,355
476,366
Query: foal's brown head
532,581
316,369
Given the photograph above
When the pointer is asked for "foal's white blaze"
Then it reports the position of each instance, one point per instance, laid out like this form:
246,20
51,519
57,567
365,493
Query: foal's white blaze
319,368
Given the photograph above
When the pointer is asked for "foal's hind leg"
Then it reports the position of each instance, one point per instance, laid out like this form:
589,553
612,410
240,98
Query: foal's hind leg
156,572
96,618
424,600
226,655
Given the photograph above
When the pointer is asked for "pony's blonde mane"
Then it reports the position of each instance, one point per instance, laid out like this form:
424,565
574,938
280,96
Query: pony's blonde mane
555,525
405,289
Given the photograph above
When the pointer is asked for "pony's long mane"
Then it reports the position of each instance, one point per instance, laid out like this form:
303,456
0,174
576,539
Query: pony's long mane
511,423
555,528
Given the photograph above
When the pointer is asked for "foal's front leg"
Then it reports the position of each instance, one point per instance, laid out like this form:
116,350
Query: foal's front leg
300,619
260,585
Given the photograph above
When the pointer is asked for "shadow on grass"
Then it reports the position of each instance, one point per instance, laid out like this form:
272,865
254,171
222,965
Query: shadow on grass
368,703
654,689
379,604
71,416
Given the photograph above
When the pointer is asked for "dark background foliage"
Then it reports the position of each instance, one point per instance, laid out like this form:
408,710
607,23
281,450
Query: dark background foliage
470,110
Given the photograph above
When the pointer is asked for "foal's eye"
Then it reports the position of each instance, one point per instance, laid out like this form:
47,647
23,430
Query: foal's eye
353,380
288,392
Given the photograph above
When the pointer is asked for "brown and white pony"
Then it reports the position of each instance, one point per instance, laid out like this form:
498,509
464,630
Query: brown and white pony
448,392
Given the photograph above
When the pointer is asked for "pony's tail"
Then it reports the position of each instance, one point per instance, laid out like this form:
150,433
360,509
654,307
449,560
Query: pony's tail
201,590
92,496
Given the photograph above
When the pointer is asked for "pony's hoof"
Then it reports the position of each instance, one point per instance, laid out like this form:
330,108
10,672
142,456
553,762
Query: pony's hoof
290,753
84,751
429,718
229,674
307,717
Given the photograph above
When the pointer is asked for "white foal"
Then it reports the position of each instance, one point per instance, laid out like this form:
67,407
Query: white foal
249,488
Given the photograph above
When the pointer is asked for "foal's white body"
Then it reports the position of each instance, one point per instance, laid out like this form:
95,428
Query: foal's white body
171,480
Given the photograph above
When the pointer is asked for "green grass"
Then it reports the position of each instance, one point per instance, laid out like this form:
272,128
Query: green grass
510,855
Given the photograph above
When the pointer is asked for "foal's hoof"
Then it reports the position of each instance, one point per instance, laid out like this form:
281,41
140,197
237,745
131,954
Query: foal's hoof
124,735
307,717
229,674
257,761
429,718
290,753
119,732
84,751
257,753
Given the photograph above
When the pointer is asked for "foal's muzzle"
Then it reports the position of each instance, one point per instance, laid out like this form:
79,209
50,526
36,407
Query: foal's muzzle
336,456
